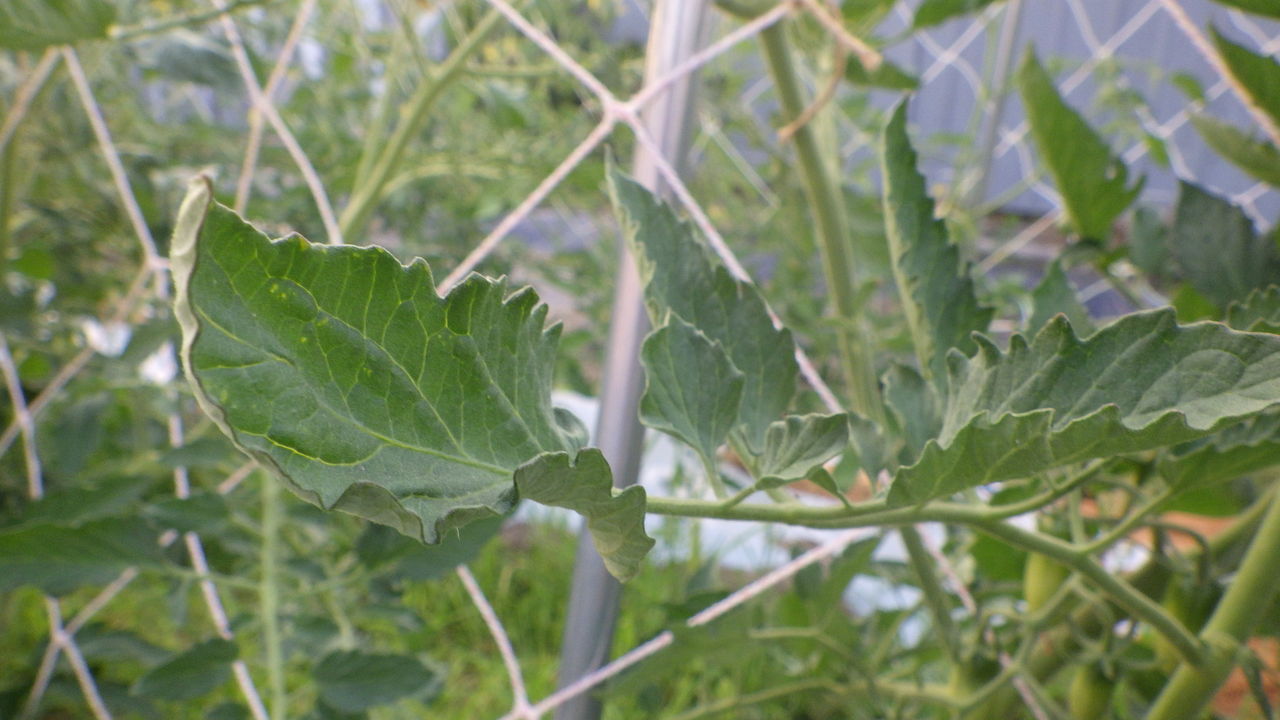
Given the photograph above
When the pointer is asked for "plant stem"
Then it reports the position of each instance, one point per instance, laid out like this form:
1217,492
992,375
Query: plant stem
269,596
983,519
935,595
1058,647
7,156
1137,604
412,116
832,232
1254,588
132,32
739,496
740,701
1130,521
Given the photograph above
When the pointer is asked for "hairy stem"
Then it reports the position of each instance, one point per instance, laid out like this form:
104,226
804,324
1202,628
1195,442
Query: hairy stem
983,519
155,27
1058,647
269,596
413,115
935,595
1255,587
823,194
7,156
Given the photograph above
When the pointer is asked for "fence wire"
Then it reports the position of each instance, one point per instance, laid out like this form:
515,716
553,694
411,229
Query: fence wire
935,54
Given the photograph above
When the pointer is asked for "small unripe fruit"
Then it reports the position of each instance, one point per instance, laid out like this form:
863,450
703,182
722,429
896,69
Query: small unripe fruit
1041,578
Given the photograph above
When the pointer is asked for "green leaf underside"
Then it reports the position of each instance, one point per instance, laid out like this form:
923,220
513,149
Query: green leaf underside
38,24
353,681
796,446
58,559
1258,74
190,674
1054,295
937,293
1140,383
1217,249
585,486
692,391
1228,454
1090,179
1259,312
681,279
344,372
936,12
1255,156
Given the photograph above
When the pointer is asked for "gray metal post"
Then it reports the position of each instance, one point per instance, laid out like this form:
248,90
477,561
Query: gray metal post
675,33
1002,69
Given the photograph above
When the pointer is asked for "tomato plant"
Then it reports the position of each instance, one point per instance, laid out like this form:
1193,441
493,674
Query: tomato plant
419,409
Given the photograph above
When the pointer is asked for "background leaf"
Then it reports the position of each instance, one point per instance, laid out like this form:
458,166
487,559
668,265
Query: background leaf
1217,249
1258,74
585,486
1140,383
1090,179
1262,7
58,559
190,674
352,681
1259,312
1255,156
1054,295
936,12
343,371
1228,454
937,294
886,75
915,405
38,24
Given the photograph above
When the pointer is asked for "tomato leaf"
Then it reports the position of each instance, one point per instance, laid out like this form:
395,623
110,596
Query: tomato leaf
1259,75
934,285
1054,295
1228,454
936,12
1255,156
353,681
692,391
797,446
1140,383
58,558
1259,312
1217,248
190,674
585,486
1091,180
344,372
682,280
38,24
1269,8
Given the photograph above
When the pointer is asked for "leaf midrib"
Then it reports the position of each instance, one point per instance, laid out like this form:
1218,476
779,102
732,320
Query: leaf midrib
351,420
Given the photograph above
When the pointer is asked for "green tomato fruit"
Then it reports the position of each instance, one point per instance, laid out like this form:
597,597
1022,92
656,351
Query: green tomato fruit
1189,604
970,675
1089,697
1041,579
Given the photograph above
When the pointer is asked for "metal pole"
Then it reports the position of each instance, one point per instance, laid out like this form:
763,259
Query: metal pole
1001,71
675,33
